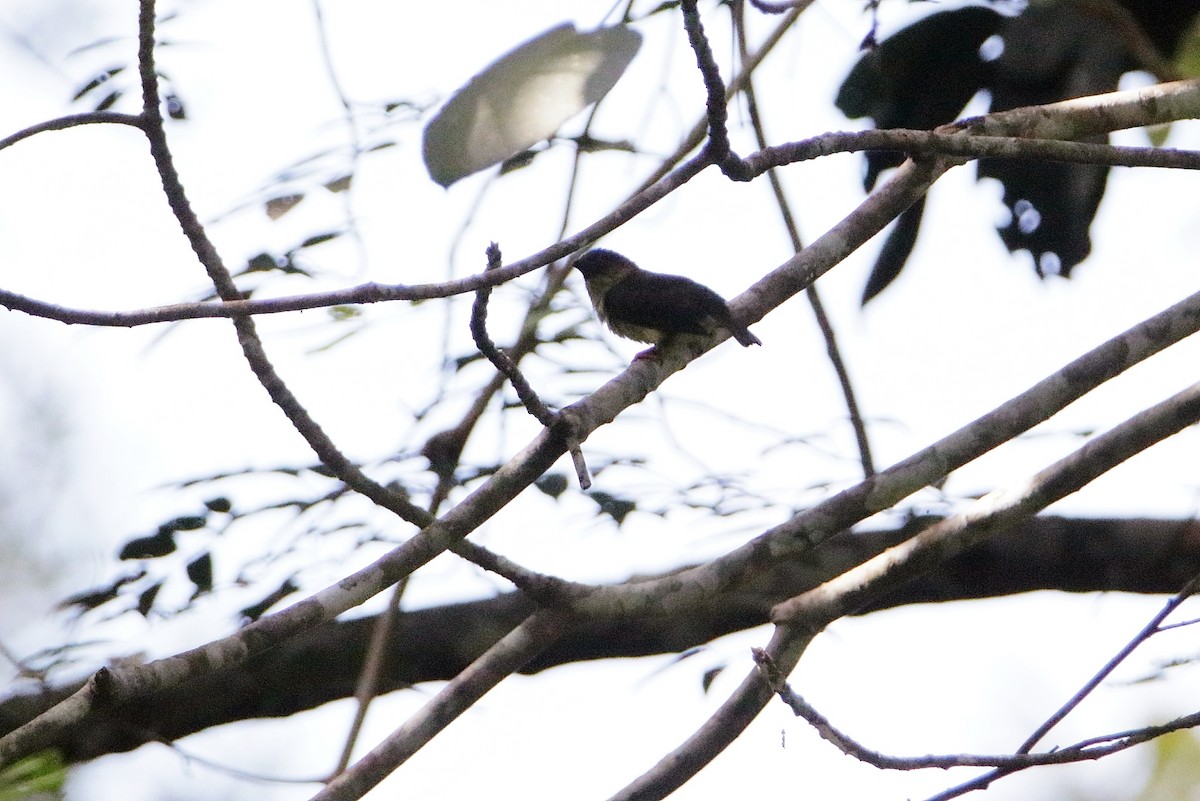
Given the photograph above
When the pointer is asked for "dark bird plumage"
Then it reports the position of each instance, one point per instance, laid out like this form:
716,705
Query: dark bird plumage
648,307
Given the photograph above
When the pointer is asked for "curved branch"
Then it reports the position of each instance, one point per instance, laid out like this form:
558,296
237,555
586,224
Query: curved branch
73,121
718,150
500,661
252,346
917,143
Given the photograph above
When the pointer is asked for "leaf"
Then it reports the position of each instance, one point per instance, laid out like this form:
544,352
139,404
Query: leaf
1176,769
1157,134
183,523
102,78
340,184
590,144
41,775
1187,56
278,206
91,599
317,239
616,508
710,676
109,100
255,611
146,599
151,547
519,161
220,504
175,108
200,572
263,262
553,484
525,97
343,312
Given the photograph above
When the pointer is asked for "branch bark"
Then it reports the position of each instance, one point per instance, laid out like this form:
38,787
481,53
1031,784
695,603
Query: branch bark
1045,553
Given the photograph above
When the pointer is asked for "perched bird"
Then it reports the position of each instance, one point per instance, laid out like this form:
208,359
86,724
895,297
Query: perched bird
648,307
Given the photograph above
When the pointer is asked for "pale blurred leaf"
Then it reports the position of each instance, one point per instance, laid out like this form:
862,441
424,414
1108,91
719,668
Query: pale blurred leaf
276,207
524,98
1176,772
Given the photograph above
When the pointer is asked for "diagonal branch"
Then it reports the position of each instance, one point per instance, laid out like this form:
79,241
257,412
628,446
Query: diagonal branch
814,298
210,259
800,619
522,644
1096,746
602,407
992,513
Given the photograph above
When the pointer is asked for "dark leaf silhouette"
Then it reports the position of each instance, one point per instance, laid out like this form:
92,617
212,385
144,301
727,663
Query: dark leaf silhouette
924,75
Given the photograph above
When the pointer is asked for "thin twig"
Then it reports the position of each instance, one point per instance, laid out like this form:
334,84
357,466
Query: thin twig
1148,631
718,149
1154,626
533,404
695,135
252,346
1090,749
72,121
814,298
499,359
367,688
352,127
967,139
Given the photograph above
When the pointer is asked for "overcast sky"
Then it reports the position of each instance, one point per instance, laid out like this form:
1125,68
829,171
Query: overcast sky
103,419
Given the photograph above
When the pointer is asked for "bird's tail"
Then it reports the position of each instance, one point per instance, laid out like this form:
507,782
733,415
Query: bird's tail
742,334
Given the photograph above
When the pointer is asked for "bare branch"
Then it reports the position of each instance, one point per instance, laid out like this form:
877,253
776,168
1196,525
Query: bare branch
1094,747
992,513
501,661
499,359
718,149
1089,749
72,121
991,136
722,728
814,298
800,619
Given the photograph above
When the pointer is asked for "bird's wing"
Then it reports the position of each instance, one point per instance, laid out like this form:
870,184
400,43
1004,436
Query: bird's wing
668,303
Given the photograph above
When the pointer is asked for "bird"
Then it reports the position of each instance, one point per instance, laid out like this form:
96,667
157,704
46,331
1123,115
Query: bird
651,307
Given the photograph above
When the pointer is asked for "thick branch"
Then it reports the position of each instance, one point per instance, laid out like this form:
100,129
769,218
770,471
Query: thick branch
1142,556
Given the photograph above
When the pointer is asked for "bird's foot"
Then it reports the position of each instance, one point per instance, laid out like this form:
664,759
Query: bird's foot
649,354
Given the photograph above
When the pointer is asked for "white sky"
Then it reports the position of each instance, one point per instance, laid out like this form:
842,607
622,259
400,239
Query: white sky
965,328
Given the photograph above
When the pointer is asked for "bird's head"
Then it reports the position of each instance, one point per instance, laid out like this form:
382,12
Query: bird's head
603,269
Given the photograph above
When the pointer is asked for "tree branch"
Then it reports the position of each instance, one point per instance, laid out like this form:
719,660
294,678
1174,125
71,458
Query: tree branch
1020,133
500,661
803,617
434,644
